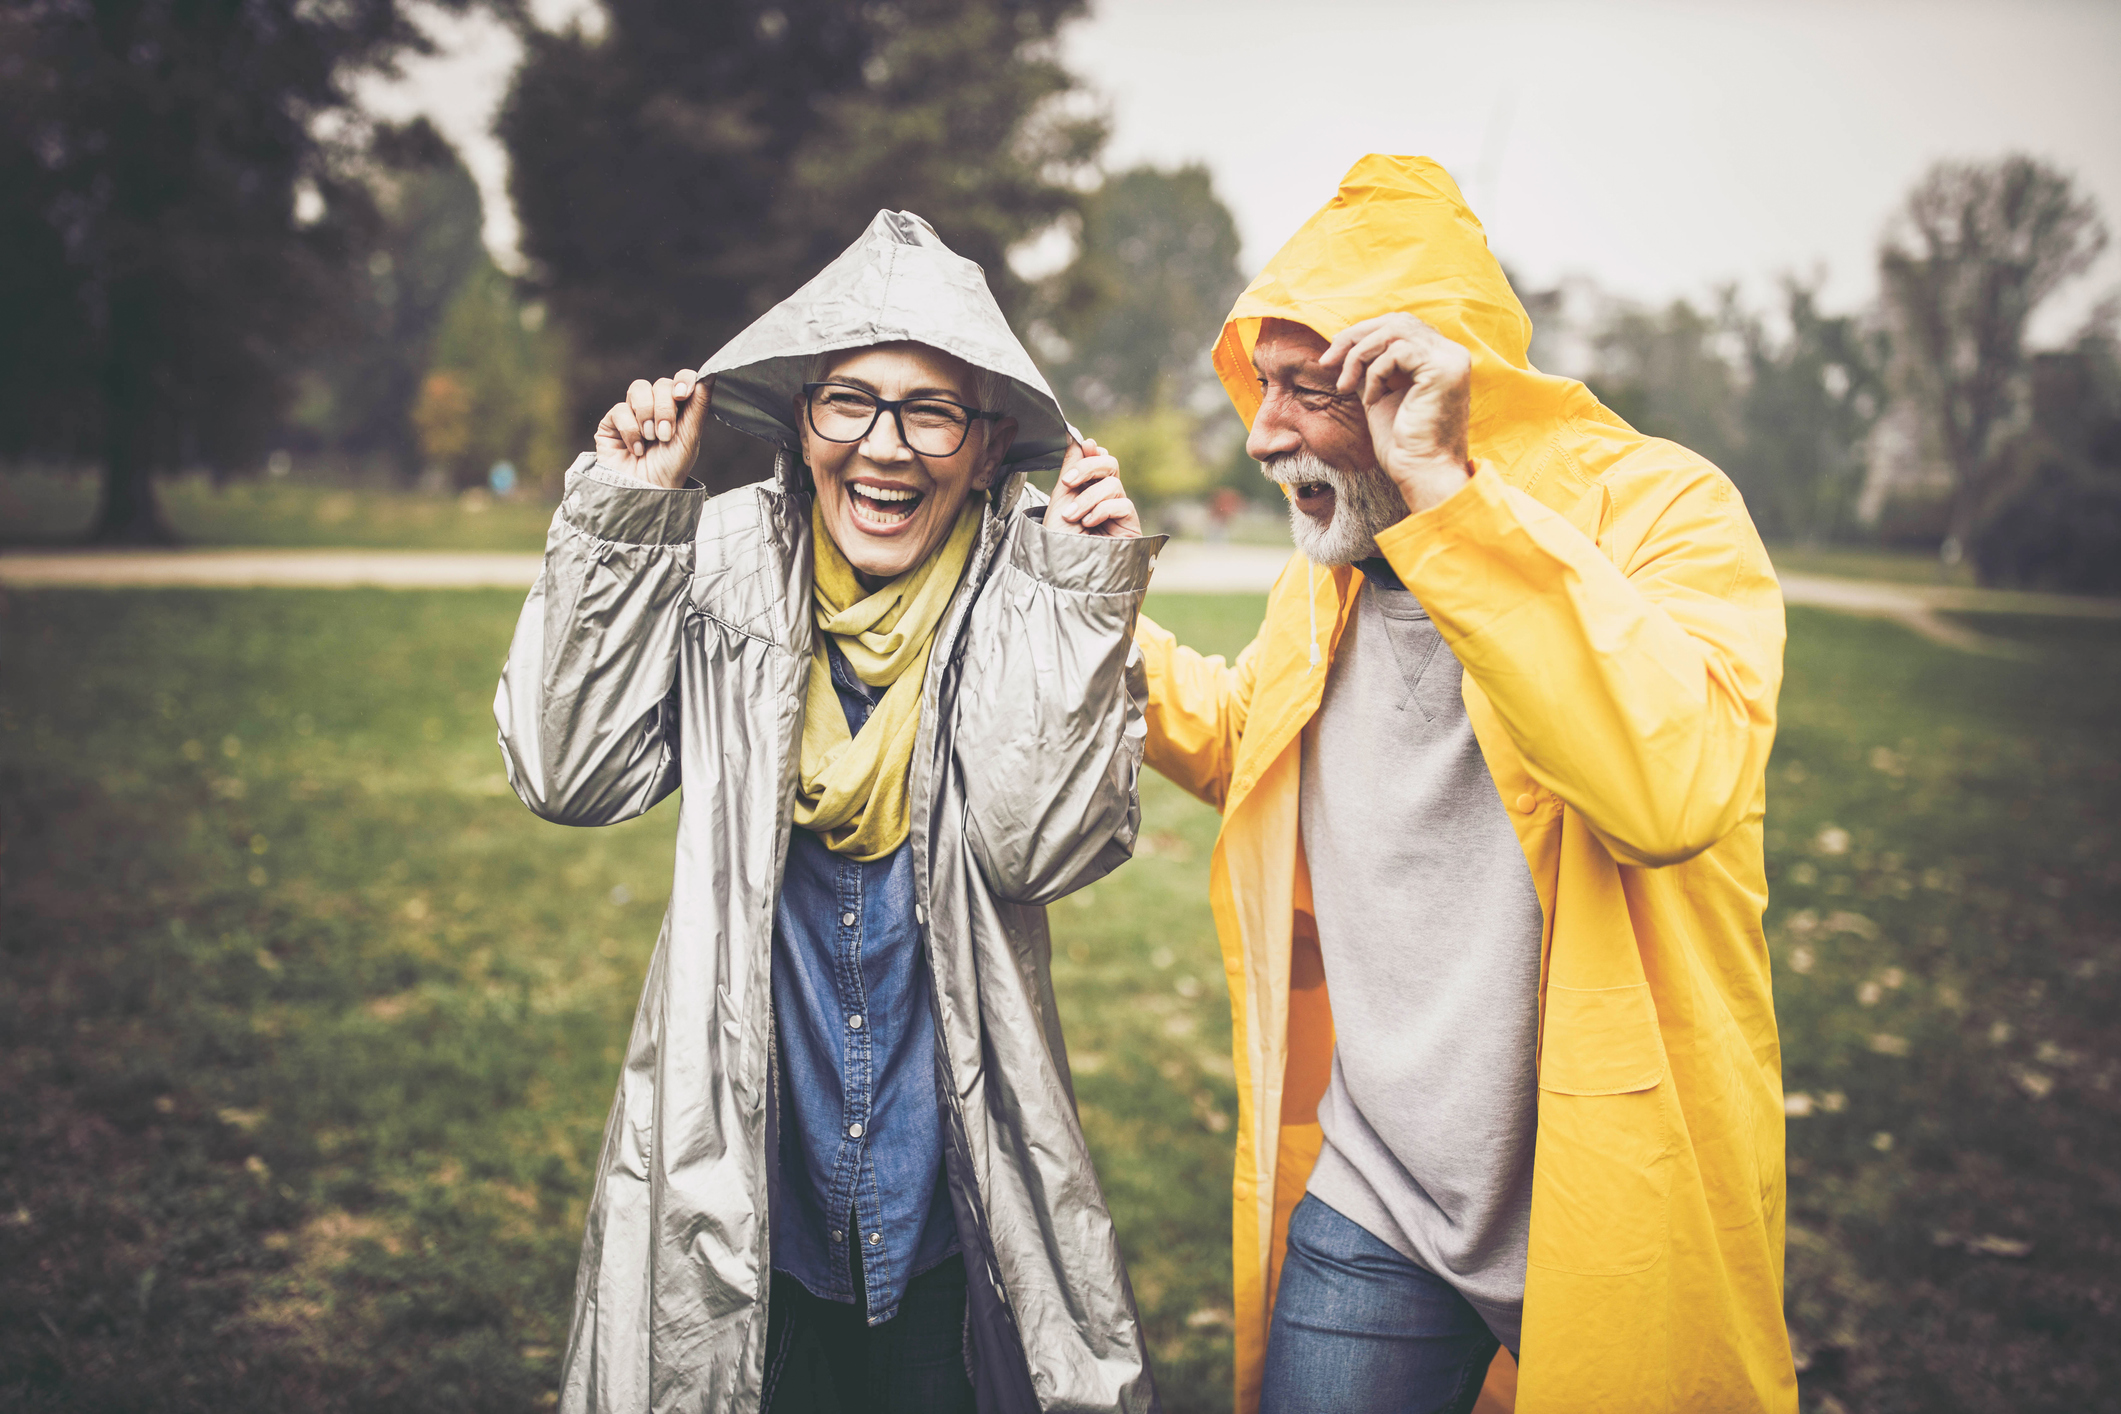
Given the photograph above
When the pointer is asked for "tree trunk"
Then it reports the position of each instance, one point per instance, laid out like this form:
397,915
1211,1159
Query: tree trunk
130,514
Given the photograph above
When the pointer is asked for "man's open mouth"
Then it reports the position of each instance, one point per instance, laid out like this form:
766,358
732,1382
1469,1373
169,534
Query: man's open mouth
1315,499
883,505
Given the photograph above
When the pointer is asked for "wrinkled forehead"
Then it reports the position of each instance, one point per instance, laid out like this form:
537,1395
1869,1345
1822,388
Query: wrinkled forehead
904,366
1284,347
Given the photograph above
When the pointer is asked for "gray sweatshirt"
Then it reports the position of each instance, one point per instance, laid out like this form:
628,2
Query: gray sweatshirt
1430,929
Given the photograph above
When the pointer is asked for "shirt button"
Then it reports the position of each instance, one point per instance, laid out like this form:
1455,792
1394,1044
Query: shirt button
846,920
1524,803
920,913
837,1235
855,1021
875,1238
854,1131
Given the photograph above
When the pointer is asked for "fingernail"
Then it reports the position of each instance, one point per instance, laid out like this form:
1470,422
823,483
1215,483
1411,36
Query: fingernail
682,389
665,428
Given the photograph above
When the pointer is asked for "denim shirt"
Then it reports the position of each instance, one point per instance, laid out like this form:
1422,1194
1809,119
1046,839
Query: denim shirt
861,1137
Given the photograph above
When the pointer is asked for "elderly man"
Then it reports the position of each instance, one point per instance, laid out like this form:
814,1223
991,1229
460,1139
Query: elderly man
1489,881
844,1170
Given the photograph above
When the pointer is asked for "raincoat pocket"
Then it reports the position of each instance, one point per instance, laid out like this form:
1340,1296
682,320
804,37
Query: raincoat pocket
1602,1186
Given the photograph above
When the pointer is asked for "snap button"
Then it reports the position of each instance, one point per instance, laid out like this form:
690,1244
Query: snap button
846,920
1524,802
854,1131
875,1238
855,1021
837,1235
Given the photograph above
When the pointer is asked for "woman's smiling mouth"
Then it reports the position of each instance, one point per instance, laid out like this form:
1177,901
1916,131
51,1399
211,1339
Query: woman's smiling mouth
882,506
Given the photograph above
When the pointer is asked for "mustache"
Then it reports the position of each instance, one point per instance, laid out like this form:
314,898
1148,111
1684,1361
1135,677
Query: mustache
1301,468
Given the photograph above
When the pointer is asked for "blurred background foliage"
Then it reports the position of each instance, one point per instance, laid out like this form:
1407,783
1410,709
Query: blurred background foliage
182,207
265,279
691,165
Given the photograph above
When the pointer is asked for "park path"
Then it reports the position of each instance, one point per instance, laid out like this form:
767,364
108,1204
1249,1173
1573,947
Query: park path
1183,568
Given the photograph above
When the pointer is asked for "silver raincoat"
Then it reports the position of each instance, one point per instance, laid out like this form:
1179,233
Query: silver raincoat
667,642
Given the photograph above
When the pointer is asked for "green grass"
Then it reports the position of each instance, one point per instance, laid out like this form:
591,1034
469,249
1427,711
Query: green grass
55,510
1942,847
311,1029
1871,562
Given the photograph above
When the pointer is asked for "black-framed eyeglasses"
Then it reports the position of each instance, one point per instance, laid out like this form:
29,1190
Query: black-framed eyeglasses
931,426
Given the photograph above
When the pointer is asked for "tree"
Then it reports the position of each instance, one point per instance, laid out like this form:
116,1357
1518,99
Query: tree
1142,303
700,159
2052,517
493,391
1971,255
1128,325
1667,372
1159,453
359,393
176,226
1807,406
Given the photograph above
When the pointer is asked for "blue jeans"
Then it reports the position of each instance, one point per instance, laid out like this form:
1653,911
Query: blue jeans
1357,1326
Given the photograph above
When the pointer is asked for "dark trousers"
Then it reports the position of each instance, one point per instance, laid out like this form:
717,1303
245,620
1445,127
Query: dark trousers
823,1357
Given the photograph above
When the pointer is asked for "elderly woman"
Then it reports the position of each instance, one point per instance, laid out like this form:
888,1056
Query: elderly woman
844,1168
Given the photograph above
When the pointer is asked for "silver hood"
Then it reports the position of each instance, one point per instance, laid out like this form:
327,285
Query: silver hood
898,282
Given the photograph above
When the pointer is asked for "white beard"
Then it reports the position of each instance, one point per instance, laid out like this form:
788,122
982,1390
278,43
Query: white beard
1364,503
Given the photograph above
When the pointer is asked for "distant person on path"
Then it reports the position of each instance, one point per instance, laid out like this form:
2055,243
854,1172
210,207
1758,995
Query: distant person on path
844,1170
1489,881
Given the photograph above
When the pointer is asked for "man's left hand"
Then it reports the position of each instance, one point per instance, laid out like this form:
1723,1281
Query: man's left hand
1416,389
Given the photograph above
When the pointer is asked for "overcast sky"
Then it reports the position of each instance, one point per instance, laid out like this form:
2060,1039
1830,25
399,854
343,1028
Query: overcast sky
1659,148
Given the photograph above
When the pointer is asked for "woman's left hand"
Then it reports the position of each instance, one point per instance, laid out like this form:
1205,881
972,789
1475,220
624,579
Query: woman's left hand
1088,499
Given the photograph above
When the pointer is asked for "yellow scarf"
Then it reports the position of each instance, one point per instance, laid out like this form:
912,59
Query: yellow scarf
853,789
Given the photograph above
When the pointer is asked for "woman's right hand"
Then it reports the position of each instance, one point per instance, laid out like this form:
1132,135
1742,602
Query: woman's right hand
1087,497
655,433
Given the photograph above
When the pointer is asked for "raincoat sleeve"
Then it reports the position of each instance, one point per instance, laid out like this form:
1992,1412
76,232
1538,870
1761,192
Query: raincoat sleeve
1641,693
587,703
1049,712
1197,710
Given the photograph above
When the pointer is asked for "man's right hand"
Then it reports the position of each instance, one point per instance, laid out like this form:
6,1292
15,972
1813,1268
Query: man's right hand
655,433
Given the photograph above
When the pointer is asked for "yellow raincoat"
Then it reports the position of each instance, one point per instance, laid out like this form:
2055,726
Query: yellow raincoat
1621,633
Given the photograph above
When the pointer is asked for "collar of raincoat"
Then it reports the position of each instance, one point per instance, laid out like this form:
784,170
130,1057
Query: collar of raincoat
1397,237
897,282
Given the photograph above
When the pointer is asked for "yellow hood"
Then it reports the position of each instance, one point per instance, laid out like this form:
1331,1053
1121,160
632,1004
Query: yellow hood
1398,237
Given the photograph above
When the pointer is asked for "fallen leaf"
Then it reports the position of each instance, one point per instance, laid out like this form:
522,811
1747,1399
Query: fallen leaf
1842,921
1990,1245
